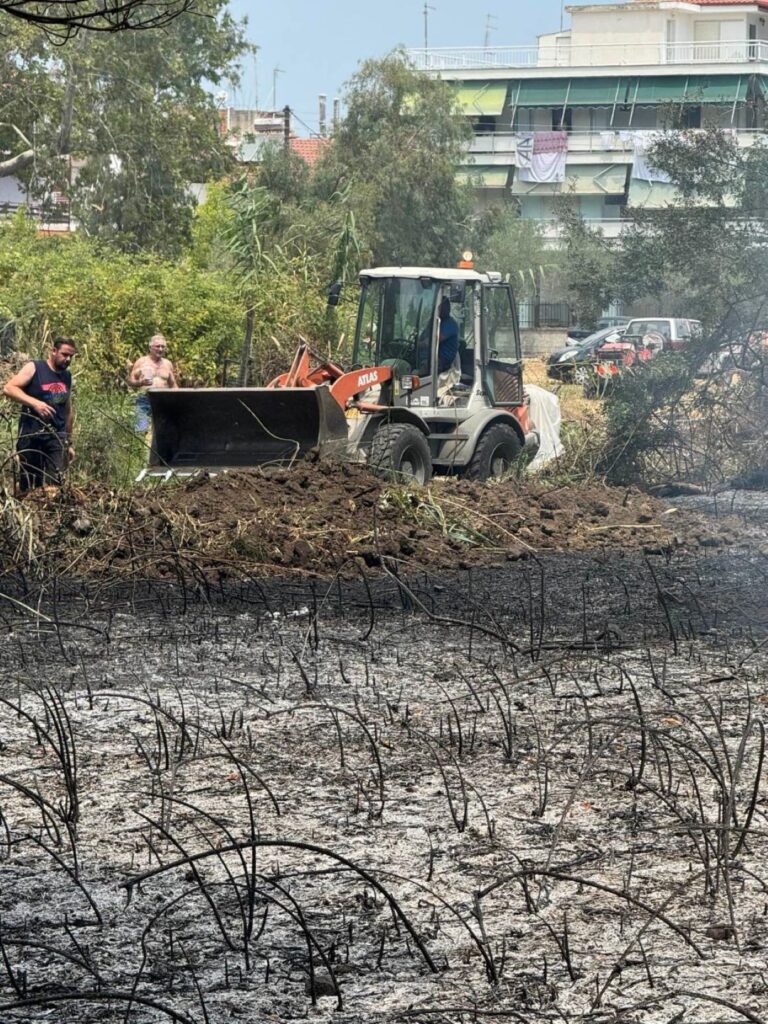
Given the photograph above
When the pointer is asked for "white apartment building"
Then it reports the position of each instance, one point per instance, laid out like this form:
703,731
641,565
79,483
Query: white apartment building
619,72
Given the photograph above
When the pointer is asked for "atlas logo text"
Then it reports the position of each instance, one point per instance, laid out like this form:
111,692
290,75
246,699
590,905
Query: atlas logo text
366,379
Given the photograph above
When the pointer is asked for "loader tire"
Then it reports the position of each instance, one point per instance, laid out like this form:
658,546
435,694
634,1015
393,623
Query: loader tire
496,453
399,451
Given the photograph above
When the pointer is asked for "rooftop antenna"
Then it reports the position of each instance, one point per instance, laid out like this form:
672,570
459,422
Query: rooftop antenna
489,27
275,72
256,77
427,9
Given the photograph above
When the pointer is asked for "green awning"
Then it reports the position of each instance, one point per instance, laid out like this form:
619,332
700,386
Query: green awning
652,90
656,195
484,98
657,89
580,180
568,92
483,177
652,195
717,89
596,92
545,92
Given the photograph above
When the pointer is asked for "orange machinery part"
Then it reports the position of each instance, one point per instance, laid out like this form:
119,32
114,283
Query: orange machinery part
344,385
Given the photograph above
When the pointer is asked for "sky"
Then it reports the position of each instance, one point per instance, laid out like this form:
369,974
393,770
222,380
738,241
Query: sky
317,44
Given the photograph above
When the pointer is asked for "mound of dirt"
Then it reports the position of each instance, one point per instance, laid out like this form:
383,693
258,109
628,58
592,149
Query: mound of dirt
322,518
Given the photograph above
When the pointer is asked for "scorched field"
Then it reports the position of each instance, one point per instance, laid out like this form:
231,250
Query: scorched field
529,793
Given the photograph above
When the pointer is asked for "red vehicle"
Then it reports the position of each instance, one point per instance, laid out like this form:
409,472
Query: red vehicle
613,358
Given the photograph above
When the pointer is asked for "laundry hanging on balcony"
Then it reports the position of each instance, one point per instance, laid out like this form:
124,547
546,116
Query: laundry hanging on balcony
541,156
642,167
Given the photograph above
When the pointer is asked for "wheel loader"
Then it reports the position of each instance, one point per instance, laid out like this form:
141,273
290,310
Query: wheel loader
398,406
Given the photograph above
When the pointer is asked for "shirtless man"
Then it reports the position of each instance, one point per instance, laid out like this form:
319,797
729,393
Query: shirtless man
150,371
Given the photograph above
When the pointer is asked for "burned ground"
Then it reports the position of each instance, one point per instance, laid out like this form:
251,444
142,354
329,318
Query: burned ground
531,792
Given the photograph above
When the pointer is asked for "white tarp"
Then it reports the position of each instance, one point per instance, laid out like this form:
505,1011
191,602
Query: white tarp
544,408
642,168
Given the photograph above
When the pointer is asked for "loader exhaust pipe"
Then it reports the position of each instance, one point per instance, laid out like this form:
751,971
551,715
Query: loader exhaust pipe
215,428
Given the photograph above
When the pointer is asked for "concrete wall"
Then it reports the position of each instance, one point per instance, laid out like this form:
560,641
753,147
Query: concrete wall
540,341
638,27
646,27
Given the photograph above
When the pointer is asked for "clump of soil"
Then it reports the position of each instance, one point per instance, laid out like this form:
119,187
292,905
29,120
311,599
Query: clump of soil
324,517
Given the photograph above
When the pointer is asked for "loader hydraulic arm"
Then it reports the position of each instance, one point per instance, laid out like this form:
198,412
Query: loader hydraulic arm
344,385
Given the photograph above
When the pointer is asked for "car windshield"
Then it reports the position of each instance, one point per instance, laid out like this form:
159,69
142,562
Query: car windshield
639,328
590,344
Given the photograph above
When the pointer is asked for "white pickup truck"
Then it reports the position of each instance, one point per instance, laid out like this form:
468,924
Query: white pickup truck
672,332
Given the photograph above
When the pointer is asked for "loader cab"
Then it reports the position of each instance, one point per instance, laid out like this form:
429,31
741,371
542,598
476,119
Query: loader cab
398,325
502,356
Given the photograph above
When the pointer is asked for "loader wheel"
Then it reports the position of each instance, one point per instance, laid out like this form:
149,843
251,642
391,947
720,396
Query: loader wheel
496,453
400,452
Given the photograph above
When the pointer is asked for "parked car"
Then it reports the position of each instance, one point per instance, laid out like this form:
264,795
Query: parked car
578,334
644,338
672,332
611,321
743,355
572,364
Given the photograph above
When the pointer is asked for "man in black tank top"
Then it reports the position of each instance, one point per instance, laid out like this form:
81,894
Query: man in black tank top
43,388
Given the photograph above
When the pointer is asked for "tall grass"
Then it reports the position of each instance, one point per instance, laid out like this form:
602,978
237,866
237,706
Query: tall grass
108,450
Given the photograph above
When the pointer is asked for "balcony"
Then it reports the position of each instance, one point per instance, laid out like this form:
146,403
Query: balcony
617,144
598,55
552,231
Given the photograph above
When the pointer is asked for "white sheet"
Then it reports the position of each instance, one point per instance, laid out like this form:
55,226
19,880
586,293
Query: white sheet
545,413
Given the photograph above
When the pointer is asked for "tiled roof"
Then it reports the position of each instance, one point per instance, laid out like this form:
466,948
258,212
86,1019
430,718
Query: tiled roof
729,3
310,150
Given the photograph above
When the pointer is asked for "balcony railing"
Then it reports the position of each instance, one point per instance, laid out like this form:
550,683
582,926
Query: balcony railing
619,143
603,55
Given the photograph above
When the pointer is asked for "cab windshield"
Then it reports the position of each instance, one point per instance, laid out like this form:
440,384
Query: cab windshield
395,324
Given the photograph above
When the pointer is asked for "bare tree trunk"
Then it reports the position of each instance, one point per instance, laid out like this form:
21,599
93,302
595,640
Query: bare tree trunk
245,356
17,163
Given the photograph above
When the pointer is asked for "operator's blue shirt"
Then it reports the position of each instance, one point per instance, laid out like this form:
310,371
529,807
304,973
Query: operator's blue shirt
448,345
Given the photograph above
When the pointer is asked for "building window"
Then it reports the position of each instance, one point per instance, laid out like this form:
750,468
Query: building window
562,119
485,124
691,117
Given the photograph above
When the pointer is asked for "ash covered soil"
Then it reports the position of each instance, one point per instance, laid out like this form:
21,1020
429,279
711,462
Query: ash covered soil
322,518
280,746
529,793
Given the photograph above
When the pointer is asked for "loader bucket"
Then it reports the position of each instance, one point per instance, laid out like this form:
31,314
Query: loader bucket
217,428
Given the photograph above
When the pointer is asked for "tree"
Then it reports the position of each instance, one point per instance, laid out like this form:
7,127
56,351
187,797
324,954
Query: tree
112,303
708,250
65,18
398,151
120,123
708,246
589,266
517,248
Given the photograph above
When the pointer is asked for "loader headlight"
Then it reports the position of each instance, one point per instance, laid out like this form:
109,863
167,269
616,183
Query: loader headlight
408,382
